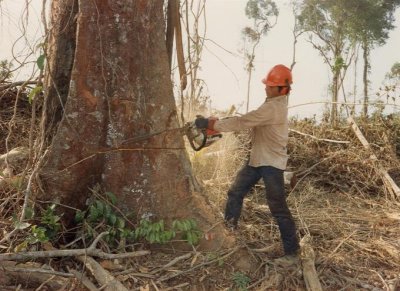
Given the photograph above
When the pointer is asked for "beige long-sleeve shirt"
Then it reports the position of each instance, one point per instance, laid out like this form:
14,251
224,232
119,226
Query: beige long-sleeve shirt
269,124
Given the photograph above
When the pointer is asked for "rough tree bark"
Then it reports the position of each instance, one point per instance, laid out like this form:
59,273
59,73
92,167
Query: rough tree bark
120,89
60,51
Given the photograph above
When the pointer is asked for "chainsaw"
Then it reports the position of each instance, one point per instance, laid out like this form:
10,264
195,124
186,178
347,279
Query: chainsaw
200,138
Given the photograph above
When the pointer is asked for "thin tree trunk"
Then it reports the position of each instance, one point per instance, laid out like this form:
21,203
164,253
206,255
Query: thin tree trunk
248,84
250,69
365,77
335,92
353,108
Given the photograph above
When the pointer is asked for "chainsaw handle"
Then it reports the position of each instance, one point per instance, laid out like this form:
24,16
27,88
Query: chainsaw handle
203,143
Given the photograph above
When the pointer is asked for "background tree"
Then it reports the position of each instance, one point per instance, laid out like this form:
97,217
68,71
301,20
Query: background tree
5,71
264,14
370,24
194,98
391,87
119,127
328,21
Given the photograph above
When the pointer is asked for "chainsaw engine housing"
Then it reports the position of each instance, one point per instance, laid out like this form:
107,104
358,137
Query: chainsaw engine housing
201,138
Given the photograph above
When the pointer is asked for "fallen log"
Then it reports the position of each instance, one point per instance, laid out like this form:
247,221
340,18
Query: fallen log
90,251
35,274
105,279
308,264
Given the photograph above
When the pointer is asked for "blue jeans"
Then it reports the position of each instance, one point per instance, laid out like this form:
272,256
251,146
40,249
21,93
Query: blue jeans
246,178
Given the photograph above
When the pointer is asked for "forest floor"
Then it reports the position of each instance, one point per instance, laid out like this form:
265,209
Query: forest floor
340,203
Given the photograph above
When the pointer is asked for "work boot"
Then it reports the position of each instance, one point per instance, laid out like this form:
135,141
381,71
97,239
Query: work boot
288,261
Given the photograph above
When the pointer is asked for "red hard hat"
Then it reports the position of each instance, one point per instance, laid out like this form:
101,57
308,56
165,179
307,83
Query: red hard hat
279,75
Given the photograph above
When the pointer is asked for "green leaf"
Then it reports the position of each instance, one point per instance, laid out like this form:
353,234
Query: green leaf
40,62
29,213
152,237
189,237
193,223
162,227
120,223
100,207
33,93
38,234
107,211
93,213
22,246
220,262
169,235
112,219
179,225
163,237
186,225
137,233
195,238
112,197
79,216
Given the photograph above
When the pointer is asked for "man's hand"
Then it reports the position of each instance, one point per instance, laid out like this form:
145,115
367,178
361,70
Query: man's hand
201,122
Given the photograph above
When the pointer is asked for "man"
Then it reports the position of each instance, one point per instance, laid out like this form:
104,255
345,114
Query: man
268,157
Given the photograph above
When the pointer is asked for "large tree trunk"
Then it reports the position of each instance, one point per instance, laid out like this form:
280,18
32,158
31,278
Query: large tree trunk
120,89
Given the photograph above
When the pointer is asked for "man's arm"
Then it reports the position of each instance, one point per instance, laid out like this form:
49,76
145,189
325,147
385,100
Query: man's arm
268,113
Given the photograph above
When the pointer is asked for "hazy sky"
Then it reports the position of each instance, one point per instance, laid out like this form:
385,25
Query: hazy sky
227,80
224,72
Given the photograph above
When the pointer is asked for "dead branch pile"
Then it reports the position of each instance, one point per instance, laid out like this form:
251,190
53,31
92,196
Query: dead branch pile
347,167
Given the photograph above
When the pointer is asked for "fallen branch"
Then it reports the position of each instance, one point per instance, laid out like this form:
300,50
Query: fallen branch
131,272
341,242
344,103
264,249
90,251
170,276
35,270
83,279
320,139
16,84
173,262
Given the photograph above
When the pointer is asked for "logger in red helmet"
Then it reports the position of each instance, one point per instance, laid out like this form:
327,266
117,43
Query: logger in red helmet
279,76
268,157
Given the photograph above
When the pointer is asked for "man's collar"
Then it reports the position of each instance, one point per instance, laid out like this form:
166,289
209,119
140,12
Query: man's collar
280,97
